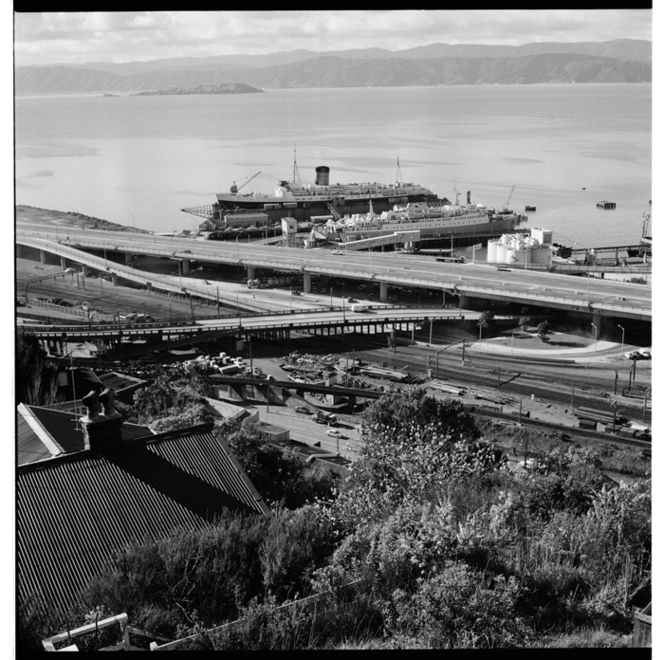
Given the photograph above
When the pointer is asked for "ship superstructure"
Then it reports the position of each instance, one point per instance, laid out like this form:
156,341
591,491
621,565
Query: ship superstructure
431,220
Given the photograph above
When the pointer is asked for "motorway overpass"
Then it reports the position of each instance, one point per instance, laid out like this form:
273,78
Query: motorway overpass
275,326
472,282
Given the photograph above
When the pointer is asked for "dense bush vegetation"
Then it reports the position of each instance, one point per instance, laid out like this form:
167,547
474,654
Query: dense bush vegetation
431,542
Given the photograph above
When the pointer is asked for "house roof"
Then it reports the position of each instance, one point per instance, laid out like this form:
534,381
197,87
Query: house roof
74,510
44,432
119,382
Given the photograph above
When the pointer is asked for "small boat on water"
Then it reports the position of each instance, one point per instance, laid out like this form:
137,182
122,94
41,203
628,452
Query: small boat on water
531,208
606,205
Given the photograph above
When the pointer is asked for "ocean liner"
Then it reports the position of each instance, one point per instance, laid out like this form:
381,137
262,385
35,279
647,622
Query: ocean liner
306,201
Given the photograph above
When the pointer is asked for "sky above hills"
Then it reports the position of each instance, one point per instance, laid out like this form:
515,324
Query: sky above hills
79,37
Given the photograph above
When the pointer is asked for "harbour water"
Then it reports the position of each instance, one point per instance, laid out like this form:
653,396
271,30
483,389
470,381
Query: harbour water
141,159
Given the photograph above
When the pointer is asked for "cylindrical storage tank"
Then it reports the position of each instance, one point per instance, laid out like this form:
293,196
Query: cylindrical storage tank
509,256
492,250
322,176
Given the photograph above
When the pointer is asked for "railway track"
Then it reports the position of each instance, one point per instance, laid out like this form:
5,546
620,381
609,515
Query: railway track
484,411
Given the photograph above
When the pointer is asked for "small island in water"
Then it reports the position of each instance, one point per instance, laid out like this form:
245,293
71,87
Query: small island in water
229,88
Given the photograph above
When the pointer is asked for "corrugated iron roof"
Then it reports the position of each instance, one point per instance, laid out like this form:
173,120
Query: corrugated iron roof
29,445
74,510
61,427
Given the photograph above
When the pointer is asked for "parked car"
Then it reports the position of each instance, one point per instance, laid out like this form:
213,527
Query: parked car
337,251
303,411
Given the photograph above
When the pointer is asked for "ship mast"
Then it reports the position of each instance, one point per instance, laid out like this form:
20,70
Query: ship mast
296,171
399,179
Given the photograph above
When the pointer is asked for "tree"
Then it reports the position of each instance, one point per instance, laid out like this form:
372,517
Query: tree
486,321
543,330
177,393
36,377
414,445
279,475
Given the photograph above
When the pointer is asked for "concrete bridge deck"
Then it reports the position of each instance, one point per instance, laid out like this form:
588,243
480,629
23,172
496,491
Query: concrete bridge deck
588,295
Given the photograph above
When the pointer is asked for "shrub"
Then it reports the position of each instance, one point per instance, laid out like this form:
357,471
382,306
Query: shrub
459,608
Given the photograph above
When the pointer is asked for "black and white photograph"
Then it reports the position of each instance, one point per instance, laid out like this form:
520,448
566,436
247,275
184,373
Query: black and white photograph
333,329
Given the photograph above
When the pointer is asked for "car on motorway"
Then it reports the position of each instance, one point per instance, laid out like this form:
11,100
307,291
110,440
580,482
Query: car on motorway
337,252
639,355
296,293
303,411
336,434
186,251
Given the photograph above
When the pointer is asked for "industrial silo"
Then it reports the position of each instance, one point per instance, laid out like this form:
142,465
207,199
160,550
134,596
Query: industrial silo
322,176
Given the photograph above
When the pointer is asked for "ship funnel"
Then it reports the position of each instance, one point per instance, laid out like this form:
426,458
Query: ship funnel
322,176
468,197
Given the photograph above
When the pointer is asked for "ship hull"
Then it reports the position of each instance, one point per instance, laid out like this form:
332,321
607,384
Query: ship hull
304,211
441,230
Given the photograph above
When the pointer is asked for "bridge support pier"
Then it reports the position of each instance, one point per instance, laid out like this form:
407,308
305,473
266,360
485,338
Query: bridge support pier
383,292
599,322
128,257
306,282
63,263
42,256
84,270
251,272
19,250
114,277
148,286
186,266
468,302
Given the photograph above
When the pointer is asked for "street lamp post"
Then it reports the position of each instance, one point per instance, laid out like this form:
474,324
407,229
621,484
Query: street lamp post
596,334
622,341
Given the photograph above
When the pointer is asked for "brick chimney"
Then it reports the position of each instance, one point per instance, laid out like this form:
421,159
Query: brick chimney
102,423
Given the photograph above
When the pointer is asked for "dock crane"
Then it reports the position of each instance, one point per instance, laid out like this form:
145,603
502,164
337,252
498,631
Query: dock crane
506,205
235,189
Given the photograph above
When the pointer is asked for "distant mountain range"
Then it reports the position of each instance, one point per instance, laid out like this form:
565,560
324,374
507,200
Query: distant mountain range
622,60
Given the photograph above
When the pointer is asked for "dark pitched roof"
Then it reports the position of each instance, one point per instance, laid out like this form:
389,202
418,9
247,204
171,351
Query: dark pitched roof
73,511
43,432
118,382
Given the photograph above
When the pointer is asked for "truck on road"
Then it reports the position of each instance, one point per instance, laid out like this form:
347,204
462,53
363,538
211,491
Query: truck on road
358,308
323,417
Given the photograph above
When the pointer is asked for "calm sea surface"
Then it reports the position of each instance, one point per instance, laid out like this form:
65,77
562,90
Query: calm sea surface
142,159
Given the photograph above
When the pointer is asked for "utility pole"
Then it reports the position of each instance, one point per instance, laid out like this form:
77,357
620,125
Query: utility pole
615,384
645,403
